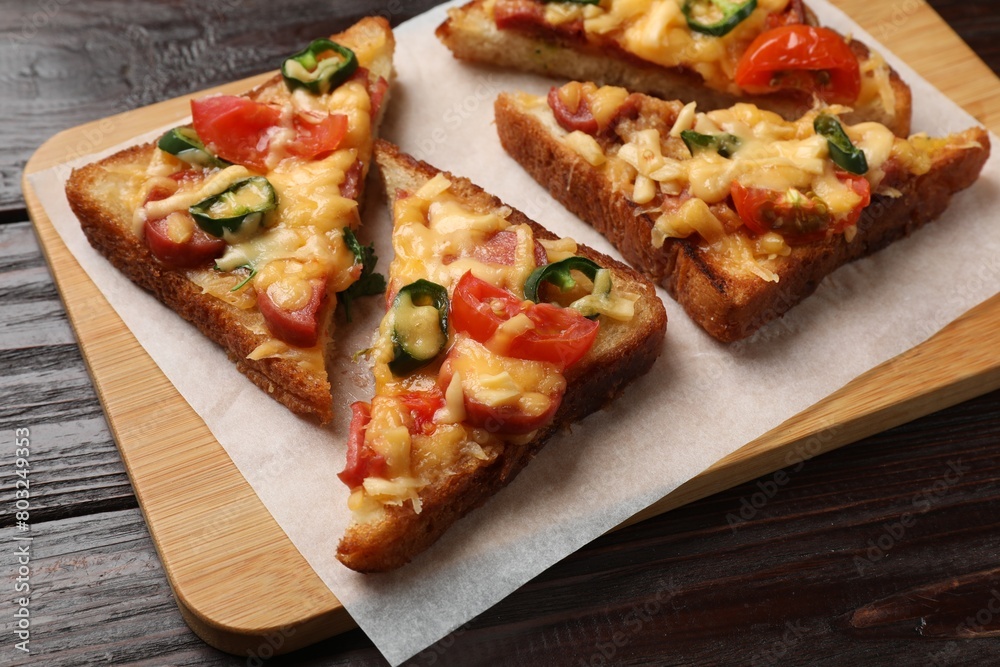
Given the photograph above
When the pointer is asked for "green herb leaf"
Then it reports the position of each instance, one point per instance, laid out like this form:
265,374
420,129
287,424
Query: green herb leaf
716,17
369,283
843,152
249,277
724,144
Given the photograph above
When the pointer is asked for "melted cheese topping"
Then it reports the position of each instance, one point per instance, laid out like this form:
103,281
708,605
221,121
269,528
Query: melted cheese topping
775,154
657,32
301,241
436,237
431,226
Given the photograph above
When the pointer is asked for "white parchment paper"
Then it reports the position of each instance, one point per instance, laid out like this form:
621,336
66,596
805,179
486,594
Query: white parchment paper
702,401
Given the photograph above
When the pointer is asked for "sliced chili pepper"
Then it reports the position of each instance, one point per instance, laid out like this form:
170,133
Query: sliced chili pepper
723,144
241,204
558,273
413,345
184,143
843,153
716,17
320,67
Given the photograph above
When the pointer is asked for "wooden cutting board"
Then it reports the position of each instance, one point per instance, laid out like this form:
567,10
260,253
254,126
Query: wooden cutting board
222,550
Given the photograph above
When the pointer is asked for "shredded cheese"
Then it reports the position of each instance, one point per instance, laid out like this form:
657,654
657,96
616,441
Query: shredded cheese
657,31
764,152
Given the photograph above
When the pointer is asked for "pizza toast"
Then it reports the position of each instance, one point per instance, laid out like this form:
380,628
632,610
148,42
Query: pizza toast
651,47
243,223
441,437
736,212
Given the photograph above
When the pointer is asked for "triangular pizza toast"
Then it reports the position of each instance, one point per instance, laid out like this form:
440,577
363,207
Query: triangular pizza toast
243,222
772,53
737,212
497,334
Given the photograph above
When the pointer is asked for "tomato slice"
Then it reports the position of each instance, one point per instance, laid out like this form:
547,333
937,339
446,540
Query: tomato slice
801,219
313,140
816,60
235,128
478,308
561,336
532,410
295,327
362,462
200,249
581,118
422,405
501,248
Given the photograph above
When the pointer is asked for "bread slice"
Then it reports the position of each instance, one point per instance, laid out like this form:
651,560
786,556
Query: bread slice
731,300
566,51
460,466
106,195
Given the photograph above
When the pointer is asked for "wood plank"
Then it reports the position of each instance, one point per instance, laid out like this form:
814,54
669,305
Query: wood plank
695,587
32,312
44,386
977,22
690,586
253,544
65,63
99,595
950,65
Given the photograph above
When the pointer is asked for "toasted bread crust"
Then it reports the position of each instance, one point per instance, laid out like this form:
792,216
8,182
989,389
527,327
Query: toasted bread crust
729,306
98,195
471,35
109,231
623,351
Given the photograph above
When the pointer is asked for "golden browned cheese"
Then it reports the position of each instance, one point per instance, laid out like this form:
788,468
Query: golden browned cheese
301,242
646,46
448,473
731,282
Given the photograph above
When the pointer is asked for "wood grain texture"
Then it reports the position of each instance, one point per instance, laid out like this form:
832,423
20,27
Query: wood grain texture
977,23
101,597
689,587
44,386
571,613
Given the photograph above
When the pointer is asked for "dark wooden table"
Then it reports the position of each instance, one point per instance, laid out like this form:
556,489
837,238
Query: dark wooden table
884,552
